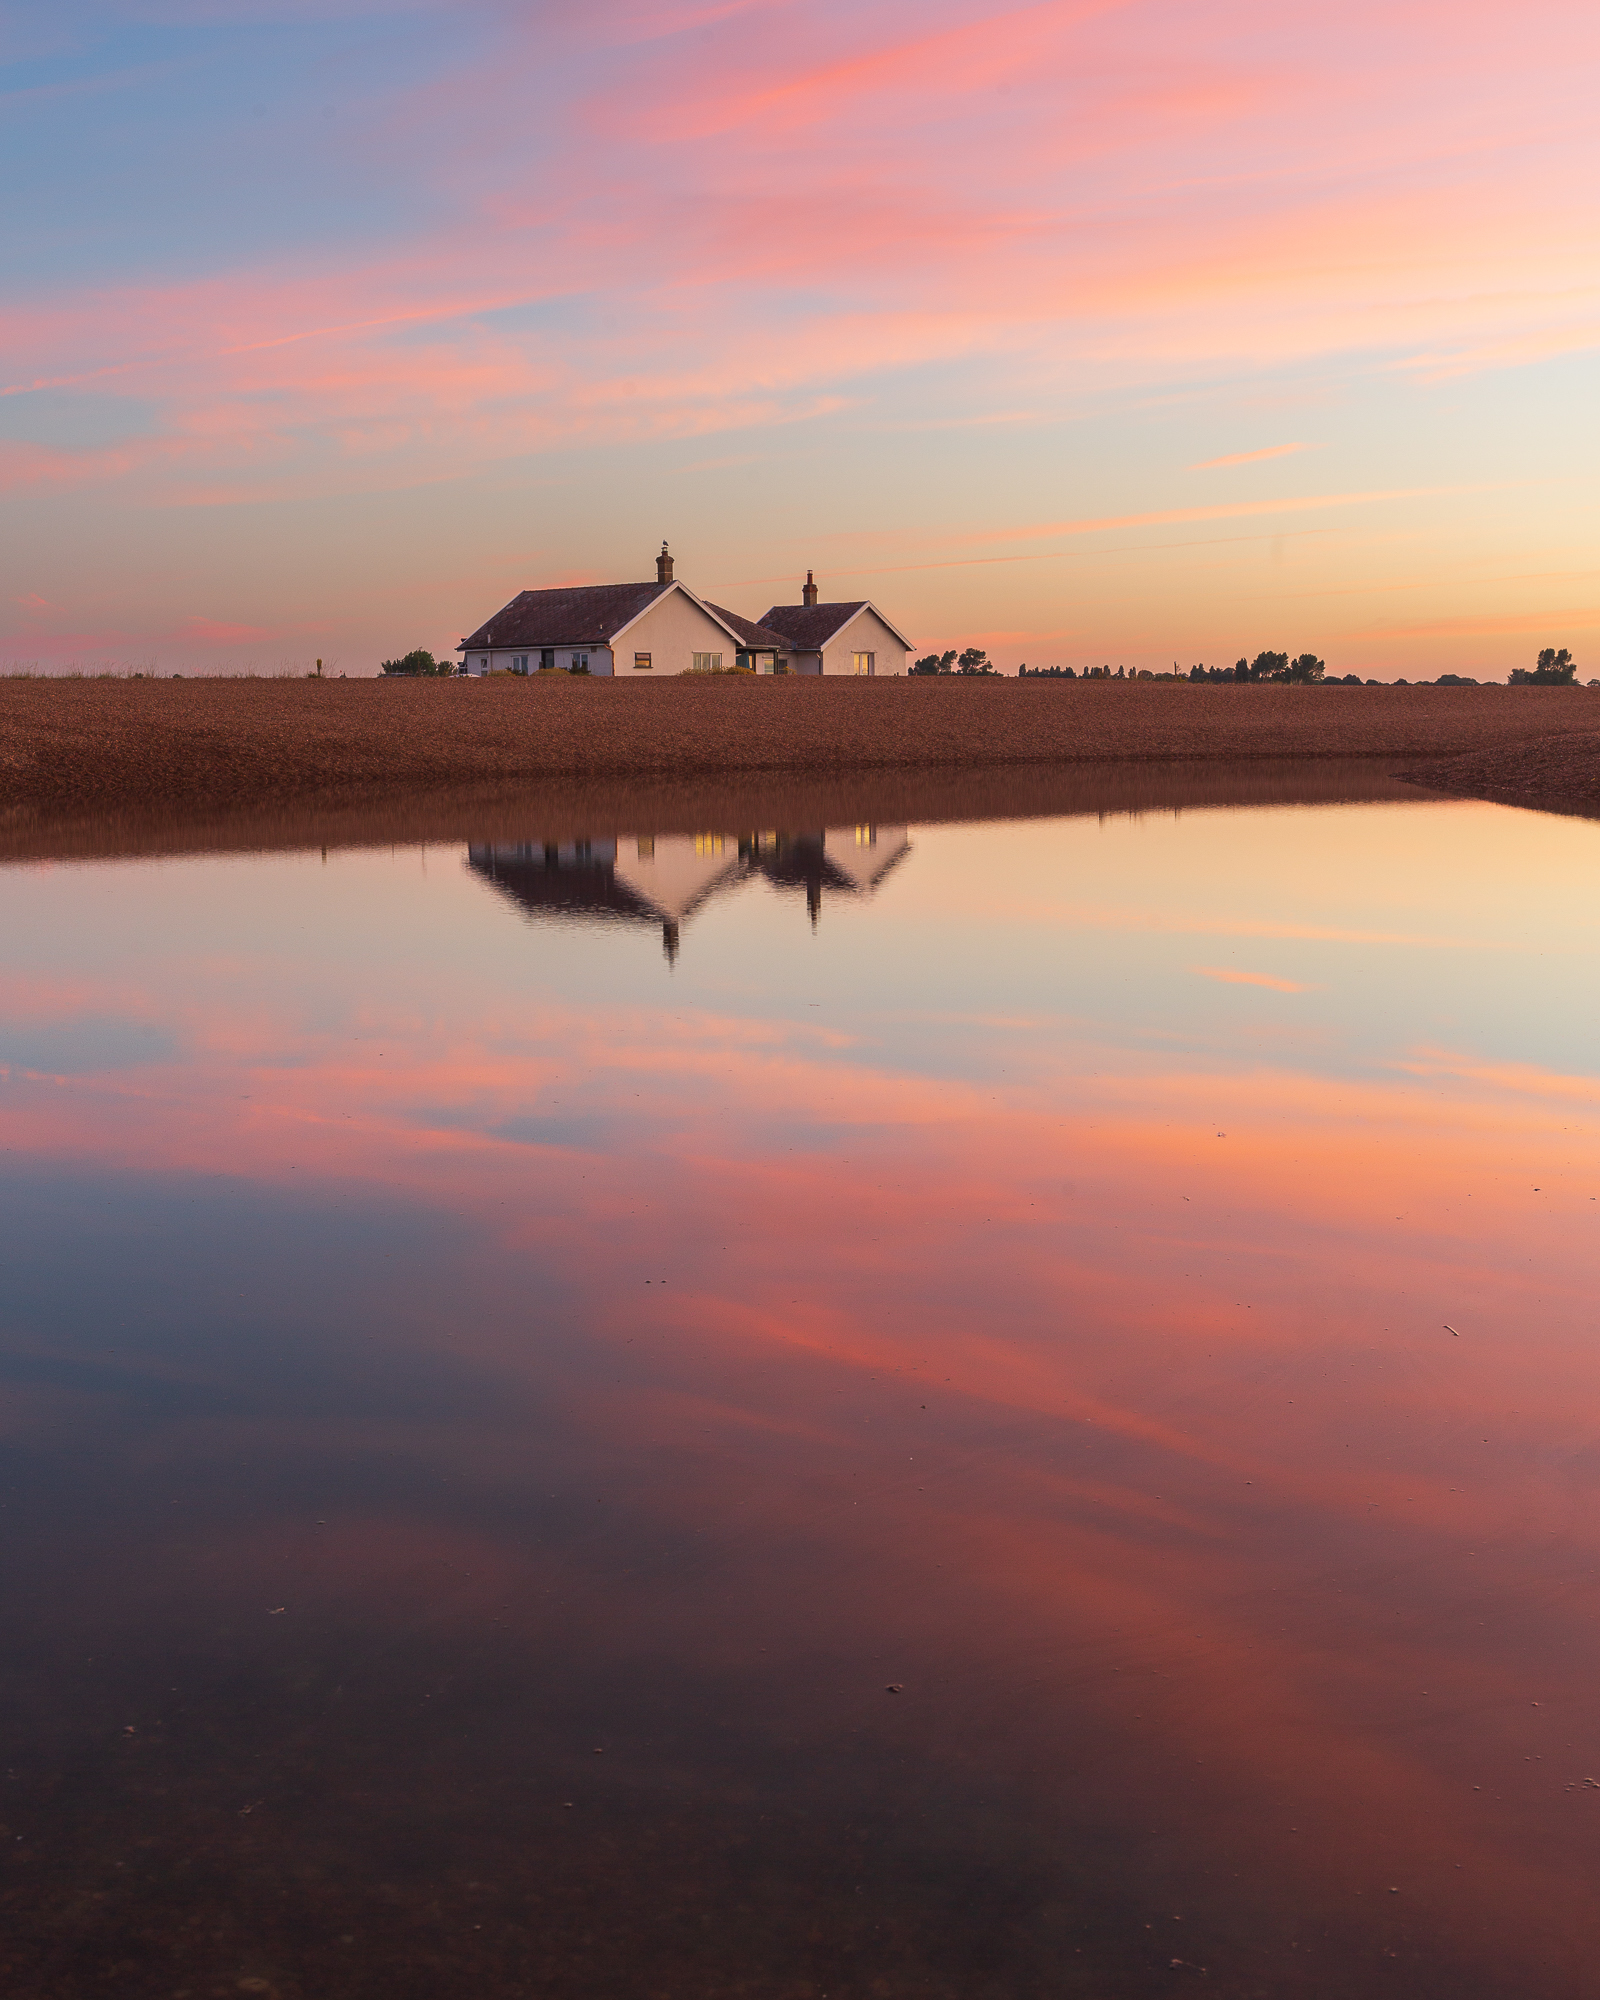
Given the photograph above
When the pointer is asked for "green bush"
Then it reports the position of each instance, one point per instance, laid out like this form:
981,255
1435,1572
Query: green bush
1554,670
419,662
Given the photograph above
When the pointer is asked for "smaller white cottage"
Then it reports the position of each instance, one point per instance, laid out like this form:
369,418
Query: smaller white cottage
640,631
848,638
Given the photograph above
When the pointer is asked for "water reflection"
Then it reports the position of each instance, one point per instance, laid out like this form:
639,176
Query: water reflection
485,1431
664,878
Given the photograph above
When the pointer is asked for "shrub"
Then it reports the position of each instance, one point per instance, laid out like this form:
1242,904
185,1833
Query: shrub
421,661
1553,670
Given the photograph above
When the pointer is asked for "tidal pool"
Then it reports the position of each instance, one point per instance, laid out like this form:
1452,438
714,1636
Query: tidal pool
968,1410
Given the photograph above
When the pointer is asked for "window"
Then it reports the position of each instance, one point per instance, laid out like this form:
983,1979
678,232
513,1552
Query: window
519,663
866,836
647,841
580,660
483,665
640,662
710,846
865,663
707,663
547,658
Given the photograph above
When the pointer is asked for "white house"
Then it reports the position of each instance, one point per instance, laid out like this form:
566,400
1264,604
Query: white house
642,630
848,638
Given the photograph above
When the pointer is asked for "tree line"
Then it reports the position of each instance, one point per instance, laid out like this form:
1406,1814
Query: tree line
1553,669
973,661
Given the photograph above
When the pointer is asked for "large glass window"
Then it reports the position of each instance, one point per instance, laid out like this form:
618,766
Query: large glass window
865,663
707,662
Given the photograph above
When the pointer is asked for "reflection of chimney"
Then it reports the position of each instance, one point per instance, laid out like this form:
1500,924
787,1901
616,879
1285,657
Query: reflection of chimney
809,594
663,566
669,941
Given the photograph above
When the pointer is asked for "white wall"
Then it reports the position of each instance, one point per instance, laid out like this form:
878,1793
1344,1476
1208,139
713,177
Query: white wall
504,661
672,631
866,633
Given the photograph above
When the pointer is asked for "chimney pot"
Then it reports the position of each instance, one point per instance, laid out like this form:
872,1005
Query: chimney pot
663,566
809,594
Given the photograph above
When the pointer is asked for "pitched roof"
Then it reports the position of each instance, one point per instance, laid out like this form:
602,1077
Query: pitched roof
759,638
586,615
809,627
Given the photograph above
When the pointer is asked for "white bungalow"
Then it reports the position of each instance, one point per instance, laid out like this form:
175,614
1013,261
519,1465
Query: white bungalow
846,638
645,630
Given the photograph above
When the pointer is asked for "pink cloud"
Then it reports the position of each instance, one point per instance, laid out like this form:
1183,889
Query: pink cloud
223,634
1231,977
1249,457
735,220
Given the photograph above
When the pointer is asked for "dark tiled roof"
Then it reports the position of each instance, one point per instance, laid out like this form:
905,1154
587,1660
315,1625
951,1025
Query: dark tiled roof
593,888
588,615
809,627
759,638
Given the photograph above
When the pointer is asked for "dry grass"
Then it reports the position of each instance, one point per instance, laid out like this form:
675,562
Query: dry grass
76,747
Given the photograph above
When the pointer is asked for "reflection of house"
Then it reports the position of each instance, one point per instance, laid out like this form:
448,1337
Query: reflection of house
649,879
637,630
664,878
847,860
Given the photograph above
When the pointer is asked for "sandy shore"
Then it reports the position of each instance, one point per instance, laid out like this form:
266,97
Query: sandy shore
154,754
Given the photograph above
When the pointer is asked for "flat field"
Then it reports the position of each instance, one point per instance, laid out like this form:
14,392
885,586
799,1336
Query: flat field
76,747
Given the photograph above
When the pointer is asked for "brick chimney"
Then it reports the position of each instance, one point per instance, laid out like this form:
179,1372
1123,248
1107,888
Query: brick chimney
663,566
809,594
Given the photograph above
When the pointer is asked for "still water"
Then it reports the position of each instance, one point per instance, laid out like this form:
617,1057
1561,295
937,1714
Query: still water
954,1410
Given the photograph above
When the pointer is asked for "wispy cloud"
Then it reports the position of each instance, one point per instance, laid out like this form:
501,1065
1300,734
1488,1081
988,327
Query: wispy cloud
1249,457
1231,977
871,233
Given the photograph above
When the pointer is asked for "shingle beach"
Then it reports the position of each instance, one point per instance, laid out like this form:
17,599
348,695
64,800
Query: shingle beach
81,748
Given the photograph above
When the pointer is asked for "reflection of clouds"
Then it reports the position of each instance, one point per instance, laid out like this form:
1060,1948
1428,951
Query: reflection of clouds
1200,1488
1523,1079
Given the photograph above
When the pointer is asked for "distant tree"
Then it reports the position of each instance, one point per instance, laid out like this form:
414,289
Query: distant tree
419,662
935,663
1241,670
1269,667
975,661
1307,668
1554,670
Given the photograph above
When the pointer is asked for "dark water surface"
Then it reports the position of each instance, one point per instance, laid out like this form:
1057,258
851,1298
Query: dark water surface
864,1413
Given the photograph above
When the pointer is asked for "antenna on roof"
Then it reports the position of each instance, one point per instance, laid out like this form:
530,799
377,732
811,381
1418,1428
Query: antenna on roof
663,566
809,594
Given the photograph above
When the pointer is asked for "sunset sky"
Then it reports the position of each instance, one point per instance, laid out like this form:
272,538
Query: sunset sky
1088,333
